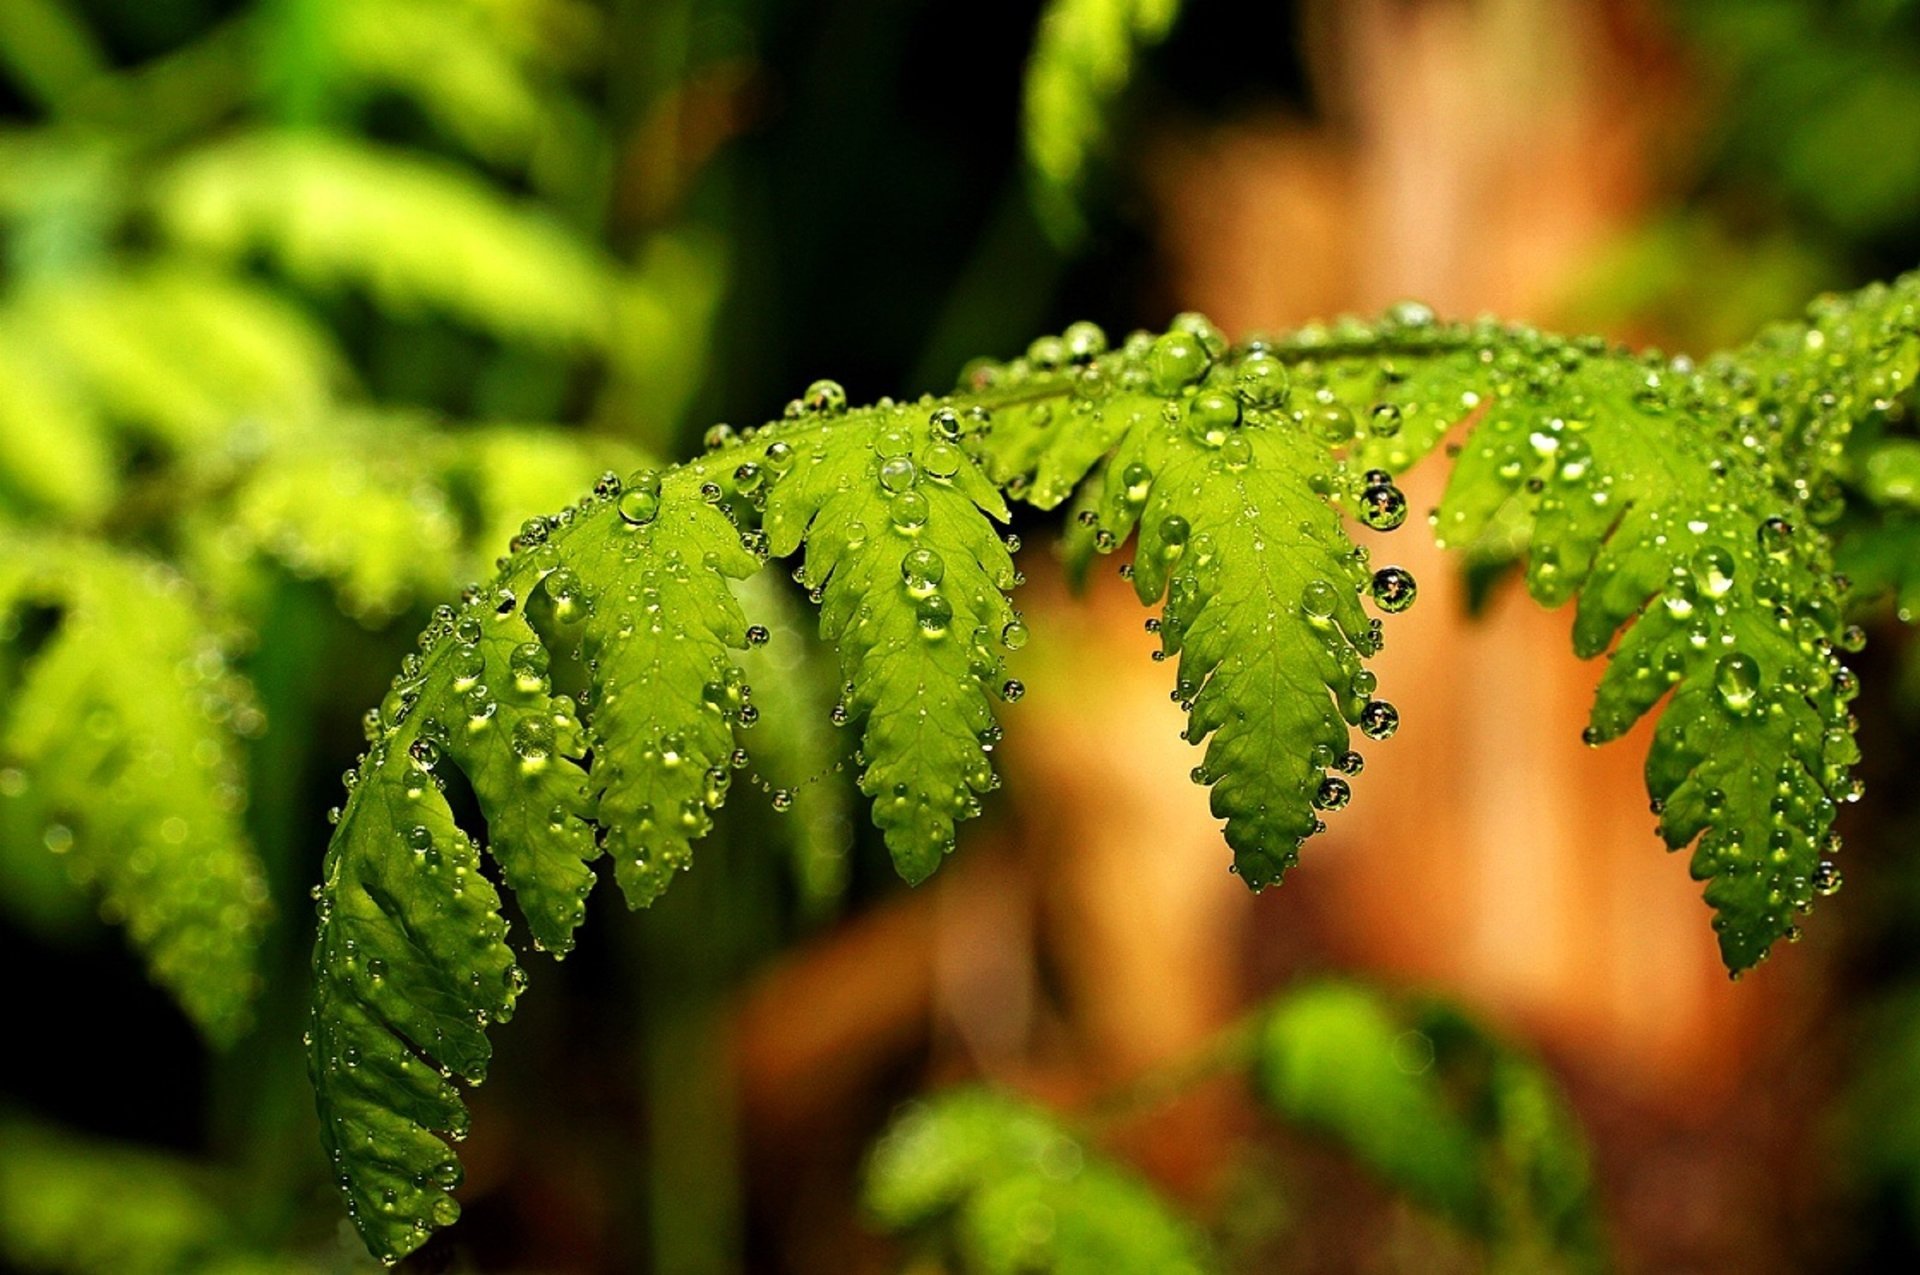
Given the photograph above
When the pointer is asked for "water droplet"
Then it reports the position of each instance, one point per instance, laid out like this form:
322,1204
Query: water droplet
1713,568
1737,678
935,615
1379,719
1776,538
1393,589
640,502
1333,423
1319,599
1333,793
1084,341
909,511
827,398
922,570
1262,381
1177,360
1382,506
1211,415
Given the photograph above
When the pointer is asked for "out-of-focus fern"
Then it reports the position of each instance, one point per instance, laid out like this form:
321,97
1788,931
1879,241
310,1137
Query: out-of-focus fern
1442,1111
118,734
1446,1115
995,1187
1083,56
417,234
170,357
80,1206
1680,505
386,506
484,71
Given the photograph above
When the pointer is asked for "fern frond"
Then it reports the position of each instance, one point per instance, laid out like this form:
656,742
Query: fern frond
902,552
49,53
1851,361
1637,485
1083,56
177,357
76,1205
411,963
666,618
1441,1111
972,1168
118,733
1882,558
366,518
417,234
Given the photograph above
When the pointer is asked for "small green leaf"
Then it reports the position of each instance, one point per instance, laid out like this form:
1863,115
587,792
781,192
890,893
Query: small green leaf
1005,1189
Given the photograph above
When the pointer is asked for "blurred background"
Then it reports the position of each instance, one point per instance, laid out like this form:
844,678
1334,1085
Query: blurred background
316,300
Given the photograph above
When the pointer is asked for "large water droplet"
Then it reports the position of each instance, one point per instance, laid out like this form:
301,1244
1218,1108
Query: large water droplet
1393,589
1737,678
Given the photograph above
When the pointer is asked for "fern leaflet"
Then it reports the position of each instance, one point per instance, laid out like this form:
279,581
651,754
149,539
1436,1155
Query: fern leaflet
911,576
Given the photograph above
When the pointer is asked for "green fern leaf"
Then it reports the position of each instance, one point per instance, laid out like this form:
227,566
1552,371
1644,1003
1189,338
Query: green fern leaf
972,1168
75,1205
56,458
796,749
118,735
387,506
903,553
1230,496
454,59
175,354
665,622
411,962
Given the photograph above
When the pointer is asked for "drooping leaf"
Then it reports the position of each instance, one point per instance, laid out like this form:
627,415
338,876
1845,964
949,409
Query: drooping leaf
1642,488
912,576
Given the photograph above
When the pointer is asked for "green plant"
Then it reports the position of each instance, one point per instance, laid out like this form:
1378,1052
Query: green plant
591,698
274,309
1450,1117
